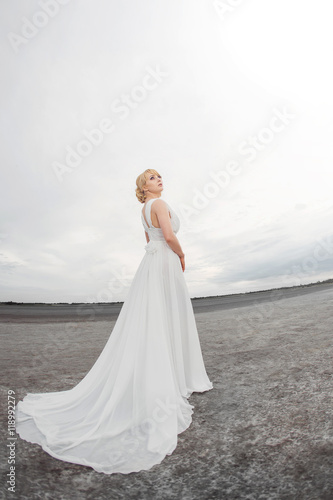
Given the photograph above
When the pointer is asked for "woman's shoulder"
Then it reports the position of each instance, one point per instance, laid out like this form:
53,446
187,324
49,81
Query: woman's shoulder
156,199
158,203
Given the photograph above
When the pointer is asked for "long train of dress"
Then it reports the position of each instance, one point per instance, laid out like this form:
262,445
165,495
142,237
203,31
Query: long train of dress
126,413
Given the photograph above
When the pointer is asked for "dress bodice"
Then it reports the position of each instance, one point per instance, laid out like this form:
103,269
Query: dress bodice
155,233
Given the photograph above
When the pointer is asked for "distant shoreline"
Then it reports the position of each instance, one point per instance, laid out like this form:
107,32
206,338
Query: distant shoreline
318,283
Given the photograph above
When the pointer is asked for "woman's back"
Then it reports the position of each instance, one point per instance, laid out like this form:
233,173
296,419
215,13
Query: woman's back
155,233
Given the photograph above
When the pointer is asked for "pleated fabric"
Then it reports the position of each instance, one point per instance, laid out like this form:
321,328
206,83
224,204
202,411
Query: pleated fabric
126,413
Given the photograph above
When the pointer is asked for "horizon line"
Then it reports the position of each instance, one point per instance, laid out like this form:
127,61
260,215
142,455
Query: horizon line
11,302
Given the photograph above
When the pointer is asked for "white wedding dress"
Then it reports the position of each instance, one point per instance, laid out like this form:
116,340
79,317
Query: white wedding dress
125,414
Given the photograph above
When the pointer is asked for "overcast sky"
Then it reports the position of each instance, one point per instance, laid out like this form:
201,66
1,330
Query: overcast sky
231,104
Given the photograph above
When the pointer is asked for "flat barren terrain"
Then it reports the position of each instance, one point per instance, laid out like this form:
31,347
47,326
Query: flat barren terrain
265,431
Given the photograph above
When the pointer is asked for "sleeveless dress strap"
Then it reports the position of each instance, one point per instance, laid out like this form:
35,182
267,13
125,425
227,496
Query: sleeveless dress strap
148,212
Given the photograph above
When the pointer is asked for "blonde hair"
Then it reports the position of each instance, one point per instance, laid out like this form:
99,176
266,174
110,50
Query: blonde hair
141,181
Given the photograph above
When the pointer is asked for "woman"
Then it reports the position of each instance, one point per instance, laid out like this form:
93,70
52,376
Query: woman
126,413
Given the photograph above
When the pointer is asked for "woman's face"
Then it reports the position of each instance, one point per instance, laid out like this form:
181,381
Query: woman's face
154,184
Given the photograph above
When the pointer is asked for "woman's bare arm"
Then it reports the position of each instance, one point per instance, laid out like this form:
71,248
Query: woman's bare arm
147,237
162,213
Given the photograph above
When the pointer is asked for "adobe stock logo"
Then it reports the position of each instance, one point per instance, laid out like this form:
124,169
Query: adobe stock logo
121,107
254,144
248,150
223,8
31,28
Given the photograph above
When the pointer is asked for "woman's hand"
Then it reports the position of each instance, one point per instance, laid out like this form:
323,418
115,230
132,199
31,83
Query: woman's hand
182,262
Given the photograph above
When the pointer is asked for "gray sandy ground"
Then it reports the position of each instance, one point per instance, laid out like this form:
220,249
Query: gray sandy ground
265,431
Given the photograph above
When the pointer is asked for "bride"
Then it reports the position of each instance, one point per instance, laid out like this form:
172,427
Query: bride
126,413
